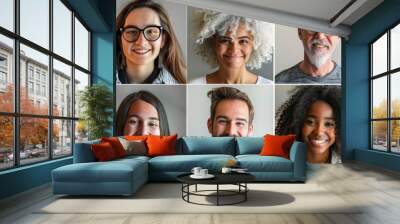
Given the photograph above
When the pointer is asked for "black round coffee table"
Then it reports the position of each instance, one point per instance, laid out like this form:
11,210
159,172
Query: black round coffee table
238,179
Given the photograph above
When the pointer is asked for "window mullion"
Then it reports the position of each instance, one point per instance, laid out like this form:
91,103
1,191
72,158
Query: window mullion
50,81
371,89
389,106
73,82
16,84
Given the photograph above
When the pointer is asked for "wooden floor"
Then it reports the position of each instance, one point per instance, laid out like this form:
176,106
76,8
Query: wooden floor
377,188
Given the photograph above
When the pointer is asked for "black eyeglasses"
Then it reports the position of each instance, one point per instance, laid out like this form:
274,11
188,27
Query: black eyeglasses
150,33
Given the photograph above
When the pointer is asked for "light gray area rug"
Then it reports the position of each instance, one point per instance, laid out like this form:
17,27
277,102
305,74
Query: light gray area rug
166,198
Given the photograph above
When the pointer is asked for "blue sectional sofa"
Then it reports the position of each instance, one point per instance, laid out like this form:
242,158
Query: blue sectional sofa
125,176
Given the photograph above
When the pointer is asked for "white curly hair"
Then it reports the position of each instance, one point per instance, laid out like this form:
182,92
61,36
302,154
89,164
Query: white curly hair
208,23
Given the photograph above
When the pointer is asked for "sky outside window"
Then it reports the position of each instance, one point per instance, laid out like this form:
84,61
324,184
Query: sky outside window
35,21
7,14
379,58
395,47
62,30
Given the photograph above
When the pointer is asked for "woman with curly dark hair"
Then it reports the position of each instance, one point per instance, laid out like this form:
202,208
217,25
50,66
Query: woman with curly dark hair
312,113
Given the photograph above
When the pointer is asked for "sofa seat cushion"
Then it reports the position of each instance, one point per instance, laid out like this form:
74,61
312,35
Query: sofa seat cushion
257,163
133,158
111,171
185,163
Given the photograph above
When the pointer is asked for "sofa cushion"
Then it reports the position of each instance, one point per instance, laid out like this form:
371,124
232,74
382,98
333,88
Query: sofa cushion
277,145
128,159
135,137
249,145
134,147
103,152
117,146
185,163
257,163
111,171
161,145
208,145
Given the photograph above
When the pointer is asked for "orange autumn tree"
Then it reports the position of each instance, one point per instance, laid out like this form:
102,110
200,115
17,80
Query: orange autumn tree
6,122
33,130
380,111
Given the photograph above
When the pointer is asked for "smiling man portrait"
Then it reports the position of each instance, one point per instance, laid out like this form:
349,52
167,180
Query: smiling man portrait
317,65
232,113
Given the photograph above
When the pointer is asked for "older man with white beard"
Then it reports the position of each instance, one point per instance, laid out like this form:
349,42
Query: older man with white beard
317,66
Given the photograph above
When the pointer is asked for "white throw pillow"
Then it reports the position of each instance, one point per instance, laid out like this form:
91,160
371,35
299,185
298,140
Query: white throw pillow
133,147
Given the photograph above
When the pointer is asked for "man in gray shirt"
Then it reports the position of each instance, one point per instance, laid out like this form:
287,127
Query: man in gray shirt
317,66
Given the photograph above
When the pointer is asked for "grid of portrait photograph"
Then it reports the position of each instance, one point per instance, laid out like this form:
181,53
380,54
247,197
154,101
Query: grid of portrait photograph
198,72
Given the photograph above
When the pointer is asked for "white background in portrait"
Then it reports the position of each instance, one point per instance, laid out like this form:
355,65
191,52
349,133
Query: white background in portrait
177,14
282,93
198,105
198,68
173,98
289,48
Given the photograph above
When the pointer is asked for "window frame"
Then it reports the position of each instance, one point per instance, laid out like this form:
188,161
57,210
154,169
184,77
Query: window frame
388,74
16,115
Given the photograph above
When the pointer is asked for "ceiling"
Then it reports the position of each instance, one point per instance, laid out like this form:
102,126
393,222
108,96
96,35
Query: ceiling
329,16
320,9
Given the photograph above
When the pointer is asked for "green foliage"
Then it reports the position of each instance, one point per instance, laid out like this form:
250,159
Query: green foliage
96,102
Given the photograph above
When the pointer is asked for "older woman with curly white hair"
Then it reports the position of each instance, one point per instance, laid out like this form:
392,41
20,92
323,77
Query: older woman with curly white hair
232,45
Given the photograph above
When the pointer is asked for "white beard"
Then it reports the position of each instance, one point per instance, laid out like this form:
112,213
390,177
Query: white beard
318,60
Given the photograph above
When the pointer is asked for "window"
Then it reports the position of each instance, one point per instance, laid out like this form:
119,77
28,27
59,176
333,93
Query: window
38,89
30,72
3,71
3,78
47,37
30,87
385,95
44,91
37,74
3,61
44,77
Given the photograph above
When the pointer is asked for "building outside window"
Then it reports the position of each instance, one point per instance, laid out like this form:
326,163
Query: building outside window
55,129
384,91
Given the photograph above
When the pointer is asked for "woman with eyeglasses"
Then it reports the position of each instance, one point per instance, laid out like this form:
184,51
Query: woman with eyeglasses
233,46
147,48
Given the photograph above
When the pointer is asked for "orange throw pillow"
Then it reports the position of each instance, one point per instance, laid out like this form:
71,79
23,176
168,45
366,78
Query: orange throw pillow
161,145
135,137
277,145
103,152
116,145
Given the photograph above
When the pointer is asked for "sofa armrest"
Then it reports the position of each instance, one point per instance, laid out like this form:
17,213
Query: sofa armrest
83,152
298,153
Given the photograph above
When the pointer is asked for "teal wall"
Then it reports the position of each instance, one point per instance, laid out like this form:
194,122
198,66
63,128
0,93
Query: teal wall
356,85
24,178
99,16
